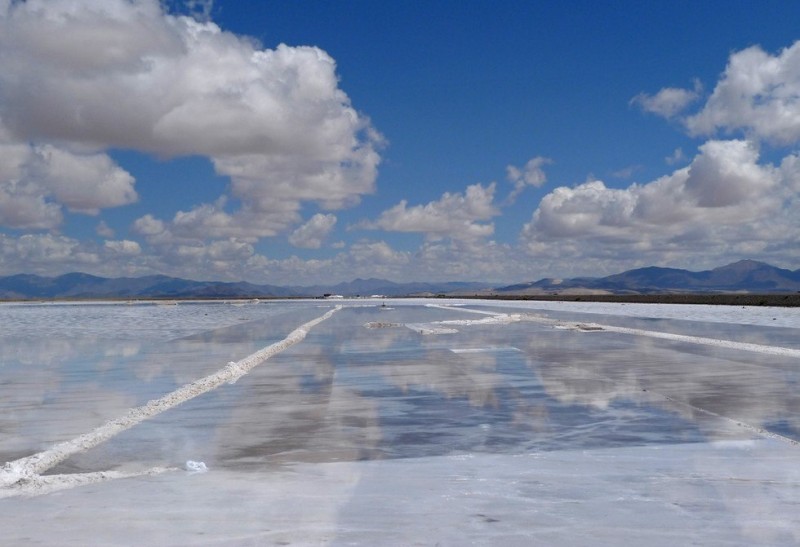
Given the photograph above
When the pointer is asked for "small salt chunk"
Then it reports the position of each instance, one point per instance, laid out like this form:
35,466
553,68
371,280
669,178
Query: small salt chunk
196,467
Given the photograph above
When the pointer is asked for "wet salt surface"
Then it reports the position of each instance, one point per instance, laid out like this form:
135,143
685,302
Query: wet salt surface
498,433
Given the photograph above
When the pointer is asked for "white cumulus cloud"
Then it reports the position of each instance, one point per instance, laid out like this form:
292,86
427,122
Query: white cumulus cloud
725,201
532,174
454,215
45,254
119,74
669,102
311,234
148,225
758,93
676,157
123,247
104,230
727,173
83,182
37,180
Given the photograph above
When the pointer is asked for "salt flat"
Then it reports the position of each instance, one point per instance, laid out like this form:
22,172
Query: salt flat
403,422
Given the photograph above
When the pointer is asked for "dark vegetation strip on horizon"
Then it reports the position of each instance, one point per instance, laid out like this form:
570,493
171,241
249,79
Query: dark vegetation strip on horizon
720,299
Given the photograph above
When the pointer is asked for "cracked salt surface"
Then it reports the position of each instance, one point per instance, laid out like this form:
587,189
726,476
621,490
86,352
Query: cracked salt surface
500,428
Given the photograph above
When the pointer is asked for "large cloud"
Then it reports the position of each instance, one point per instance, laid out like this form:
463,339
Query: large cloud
759,93
36,180
82,182
123,74
454,215
724,205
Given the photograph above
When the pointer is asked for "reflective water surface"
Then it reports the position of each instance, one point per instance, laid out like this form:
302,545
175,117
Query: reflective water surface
370,432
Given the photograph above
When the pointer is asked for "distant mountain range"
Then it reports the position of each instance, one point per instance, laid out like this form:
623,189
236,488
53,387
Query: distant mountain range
746,276
81,285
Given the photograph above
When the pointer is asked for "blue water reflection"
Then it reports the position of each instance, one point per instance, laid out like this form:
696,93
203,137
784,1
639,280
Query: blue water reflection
353,392
369,431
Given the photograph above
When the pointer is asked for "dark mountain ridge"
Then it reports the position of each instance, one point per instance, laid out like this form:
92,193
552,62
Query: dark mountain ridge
745,276
81,285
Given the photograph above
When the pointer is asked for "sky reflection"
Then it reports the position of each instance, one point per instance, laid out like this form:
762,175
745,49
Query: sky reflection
367,417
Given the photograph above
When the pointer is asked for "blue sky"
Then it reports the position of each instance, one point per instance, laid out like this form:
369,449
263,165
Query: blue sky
302,142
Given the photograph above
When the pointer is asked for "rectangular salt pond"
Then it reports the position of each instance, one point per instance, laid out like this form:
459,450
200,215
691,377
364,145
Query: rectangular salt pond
417,422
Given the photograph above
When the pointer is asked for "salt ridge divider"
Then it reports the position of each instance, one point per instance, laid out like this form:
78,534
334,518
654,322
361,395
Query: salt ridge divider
23,470
744,346
599,327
